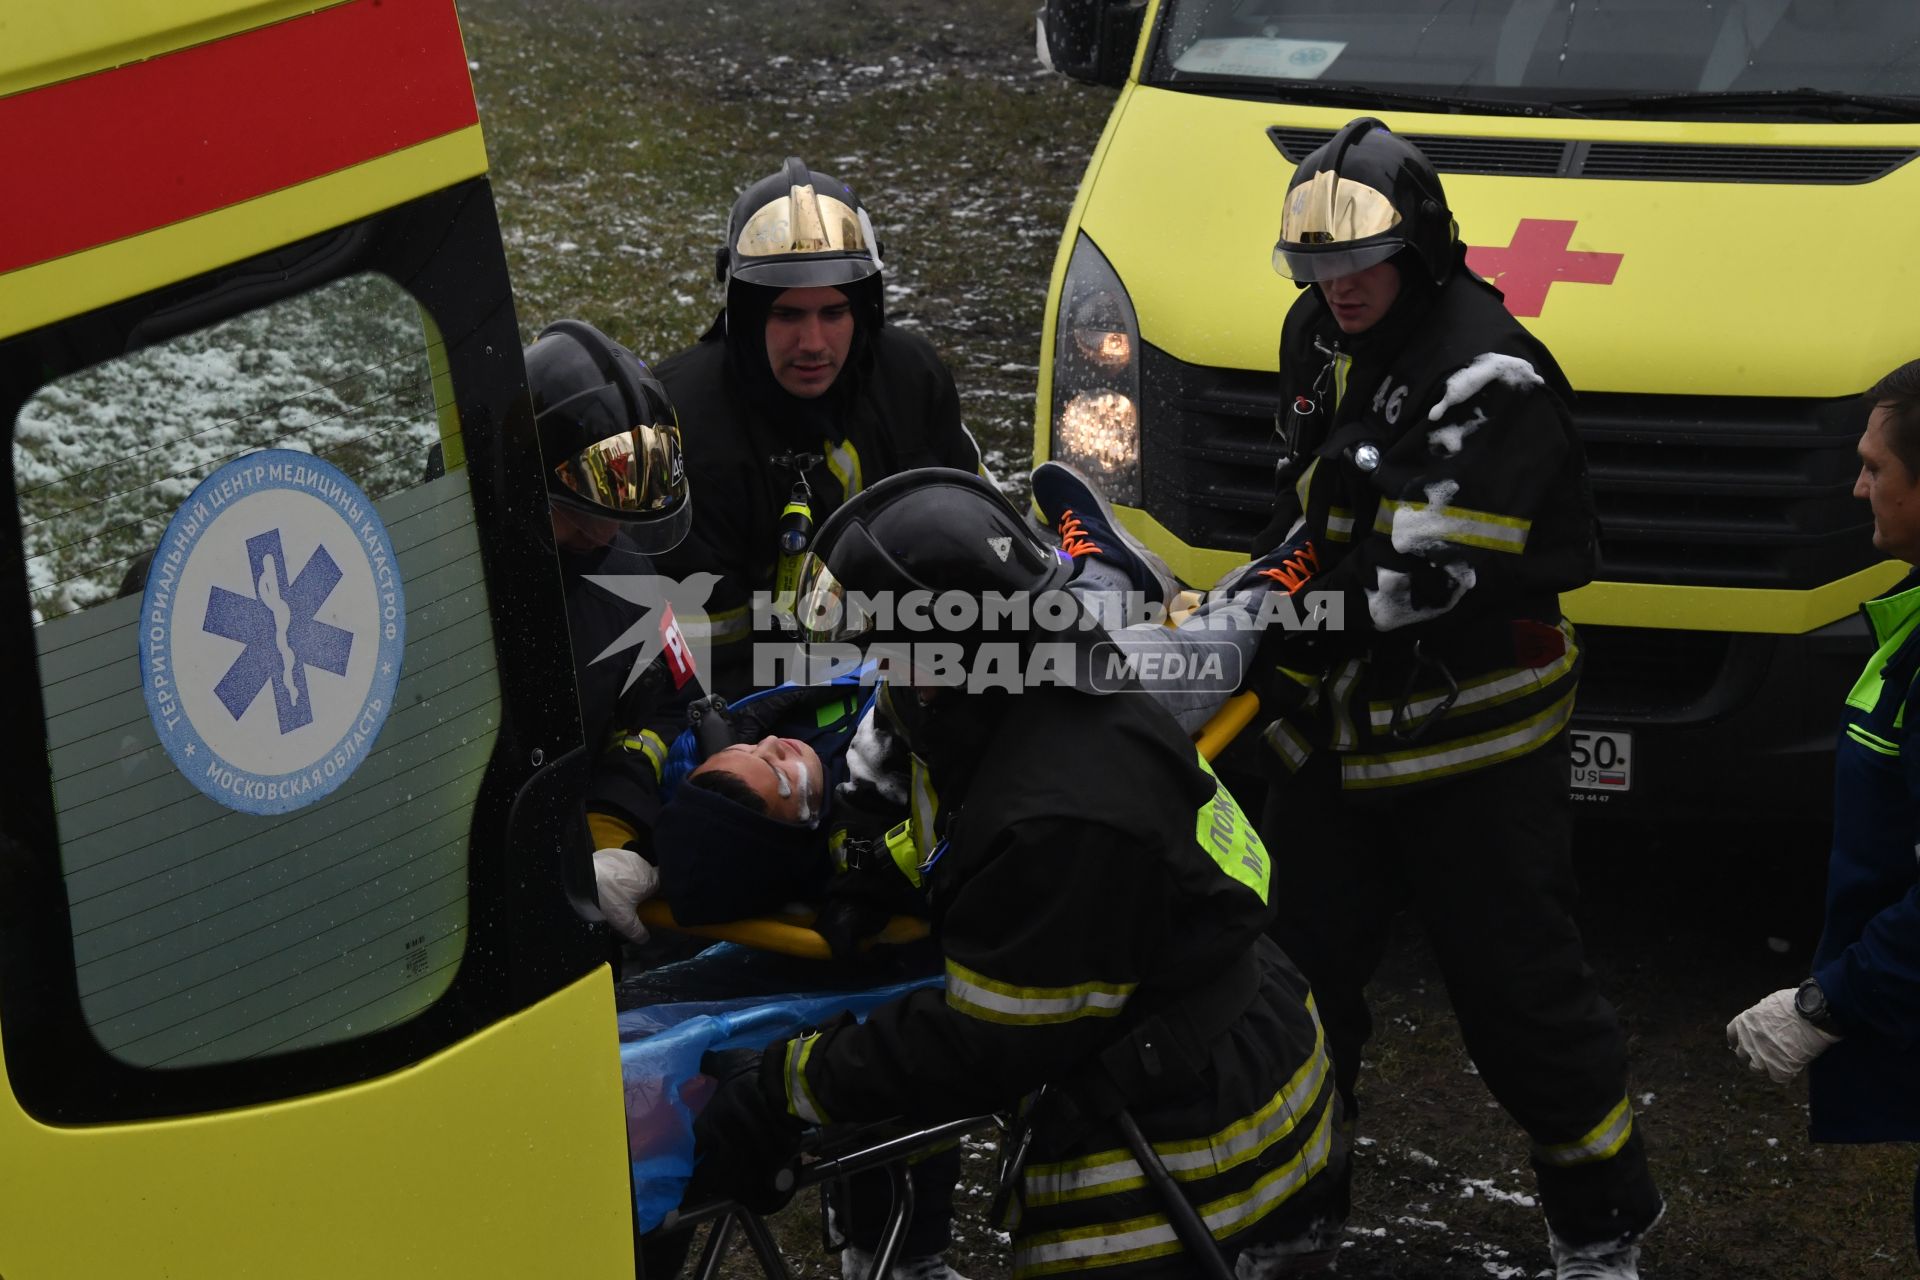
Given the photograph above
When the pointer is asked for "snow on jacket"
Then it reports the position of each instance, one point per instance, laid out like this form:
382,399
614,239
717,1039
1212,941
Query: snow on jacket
1092,871
1867,1087
1447,499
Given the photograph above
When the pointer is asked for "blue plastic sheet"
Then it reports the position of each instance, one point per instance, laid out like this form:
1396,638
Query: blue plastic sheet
660,1051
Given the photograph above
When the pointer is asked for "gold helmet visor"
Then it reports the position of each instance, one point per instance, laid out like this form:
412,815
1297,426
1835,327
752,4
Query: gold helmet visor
804,221
1330,227
821,609
636,472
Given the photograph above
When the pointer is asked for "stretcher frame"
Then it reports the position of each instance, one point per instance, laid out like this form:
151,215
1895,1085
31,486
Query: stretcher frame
790,935
891,1154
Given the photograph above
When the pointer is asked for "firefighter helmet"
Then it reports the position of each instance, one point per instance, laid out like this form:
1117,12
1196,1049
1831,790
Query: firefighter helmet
935,530
609,434
797,229
1360,198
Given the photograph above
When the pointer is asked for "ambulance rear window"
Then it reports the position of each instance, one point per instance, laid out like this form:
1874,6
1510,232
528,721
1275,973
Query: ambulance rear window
268,675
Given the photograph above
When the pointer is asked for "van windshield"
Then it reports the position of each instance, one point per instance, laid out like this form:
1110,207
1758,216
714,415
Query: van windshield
1700,57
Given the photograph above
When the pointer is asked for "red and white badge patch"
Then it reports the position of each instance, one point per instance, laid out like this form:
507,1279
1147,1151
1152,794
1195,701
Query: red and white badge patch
674,645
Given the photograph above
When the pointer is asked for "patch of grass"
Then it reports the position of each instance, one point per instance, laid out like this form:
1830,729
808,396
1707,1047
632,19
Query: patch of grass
620,136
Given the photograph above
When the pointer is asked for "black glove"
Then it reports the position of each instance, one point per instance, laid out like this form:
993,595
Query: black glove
743,1138
1286,668
869,890
1430,586
850,916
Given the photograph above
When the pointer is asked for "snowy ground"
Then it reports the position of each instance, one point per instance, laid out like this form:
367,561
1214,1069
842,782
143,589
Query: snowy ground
619,133
105,456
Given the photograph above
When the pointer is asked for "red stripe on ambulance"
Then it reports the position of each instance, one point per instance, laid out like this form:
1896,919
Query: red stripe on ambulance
245,116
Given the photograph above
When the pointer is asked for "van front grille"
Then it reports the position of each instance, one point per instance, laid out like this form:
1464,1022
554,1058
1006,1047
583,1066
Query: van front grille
1633,672
1639,161
1691,491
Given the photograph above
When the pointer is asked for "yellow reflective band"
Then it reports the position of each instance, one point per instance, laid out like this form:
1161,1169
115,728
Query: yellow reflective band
800,1099
721,626
923,807
1342,366
1458,755
1224,832
982,997
905,851
1415,523
1872,742
1345,738
649,744
844,461
1111,1172
979,455
1287,743
1304,485
1339,524
1601,1142
1488,690
1152,1236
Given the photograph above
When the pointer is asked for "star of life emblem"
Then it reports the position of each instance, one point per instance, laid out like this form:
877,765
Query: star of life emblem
271,632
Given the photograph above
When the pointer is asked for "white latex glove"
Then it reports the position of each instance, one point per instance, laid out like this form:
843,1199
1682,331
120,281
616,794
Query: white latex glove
624,880
1771,1037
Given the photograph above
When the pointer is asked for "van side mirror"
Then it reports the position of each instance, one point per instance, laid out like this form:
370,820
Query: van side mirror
1090,40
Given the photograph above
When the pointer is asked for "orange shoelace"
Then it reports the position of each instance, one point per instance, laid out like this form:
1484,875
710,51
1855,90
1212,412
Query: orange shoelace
1293,572
1073,537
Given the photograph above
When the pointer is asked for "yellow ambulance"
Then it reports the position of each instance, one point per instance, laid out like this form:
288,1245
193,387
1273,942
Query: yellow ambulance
290,984
1704,210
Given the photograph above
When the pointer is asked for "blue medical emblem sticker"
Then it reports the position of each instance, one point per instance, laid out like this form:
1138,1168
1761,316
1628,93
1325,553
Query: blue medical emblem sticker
271,632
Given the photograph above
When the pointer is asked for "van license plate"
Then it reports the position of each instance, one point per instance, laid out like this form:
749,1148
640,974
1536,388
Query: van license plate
1602,760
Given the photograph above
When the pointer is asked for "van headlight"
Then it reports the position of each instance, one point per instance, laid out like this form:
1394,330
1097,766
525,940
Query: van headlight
1096,376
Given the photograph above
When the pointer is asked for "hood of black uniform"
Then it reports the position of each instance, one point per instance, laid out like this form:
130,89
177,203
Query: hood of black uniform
743,327
1403,318
721,861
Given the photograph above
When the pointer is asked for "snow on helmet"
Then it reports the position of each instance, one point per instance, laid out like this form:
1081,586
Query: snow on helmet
1357,200
609,434
797,229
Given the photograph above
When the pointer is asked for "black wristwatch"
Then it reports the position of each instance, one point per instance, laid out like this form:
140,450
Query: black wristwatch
1810,1002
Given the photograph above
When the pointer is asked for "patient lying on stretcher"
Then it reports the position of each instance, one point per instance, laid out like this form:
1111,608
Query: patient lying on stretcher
775,800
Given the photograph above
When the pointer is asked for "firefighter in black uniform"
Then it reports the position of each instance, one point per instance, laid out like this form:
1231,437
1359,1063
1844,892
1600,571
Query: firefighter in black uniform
1435,481
801,395
618,495
1100,901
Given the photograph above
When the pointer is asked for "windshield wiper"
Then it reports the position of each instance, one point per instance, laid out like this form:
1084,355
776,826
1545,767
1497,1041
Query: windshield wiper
1824,103
1345,95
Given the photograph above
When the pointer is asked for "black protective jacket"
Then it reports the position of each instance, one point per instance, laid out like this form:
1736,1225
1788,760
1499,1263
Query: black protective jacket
1445,491
1091,873
627,727
893,408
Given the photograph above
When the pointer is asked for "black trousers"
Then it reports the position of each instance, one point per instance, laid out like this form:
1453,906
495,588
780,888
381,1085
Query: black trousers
1484,860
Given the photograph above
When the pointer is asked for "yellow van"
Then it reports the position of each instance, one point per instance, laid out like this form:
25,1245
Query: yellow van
290,984
1705,211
